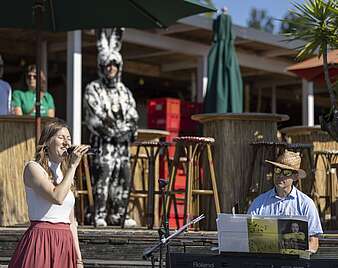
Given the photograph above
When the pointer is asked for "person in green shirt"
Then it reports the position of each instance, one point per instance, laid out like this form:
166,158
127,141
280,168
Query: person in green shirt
23,101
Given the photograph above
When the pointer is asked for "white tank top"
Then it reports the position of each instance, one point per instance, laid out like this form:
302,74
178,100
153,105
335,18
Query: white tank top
40,209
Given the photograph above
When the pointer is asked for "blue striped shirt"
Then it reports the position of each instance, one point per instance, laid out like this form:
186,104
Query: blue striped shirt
295,204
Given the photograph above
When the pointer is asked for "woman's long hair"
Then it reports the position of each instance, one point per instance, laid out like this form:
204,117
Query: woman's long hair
41,154
32,68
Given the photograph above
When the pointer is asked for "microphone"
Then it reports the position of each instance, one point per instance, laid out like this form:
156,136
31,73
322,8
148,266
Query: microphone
91,151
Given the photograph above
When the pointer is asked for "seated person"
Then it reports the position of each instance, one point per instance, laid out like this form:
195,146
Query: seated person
284,199
23,102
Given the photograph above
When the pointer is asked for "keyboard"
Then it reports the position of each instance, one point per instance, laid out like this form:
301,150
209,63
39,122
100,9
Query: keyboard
245,260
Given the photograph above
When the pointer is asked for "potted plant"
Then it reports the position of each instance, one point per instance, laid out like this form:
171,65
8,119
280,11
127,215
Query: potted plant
319,22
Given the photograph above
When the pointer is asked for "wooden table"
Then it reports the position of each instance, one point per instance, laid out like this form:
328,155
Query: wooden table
233,154
151,134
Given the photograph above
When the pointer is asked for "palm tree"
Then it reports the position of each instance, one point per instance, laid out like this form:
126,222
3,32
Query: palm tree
319,21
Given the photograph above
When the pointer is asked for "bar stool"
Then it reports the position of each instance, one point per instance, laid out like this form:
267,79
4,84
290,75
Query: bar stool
82,171
152,150
192,148
262,150
329,158
138,197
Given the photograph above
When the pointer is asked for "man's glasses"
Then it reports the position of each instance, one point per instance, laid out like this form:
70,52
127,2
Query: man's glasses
31,76
284,172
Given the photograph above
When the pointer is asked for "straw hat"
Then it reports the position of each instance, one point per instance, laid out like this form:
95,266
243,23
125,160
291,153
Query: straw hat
289,160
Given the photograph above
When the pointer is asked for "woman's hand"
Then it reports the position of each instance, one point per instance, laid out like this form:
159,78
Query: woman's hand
76,155
79,264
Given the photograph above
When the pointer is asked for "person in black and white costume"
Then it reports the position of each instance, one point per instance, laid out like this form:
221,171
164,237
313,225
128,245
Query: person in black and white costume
111,116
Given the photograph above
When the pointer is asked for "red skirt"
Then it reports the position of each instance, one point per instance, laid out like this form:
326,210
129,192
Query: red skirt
45,245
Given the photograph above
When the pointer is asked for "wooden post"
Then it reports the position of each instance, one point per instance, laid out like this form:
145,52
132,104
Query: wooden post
308,103
74,84
38,10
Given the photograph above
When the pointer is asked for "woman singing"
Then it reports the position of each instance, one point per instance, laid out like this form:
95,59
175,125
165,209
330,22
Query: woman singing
51,240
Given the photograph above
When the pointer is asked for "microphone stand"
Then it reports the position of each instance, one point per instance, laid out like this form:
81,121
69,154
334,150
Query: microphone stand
164,229
148,253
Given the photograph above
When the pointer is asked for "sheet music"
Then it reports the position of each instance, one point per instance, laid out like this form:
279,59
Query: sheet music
262,234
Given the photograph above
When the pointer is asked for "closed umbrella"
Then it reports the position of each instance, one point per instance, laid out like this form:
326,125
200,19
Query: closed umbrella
224,90
68,15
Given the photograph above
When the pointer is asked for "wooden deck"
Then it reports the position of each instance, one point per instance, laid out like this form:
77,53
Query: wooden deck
113,247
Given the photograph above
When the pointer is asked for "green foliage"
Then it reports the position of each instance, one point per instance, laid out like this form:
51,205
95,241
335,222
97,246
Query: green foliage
291,21
334,9
318,19
260,20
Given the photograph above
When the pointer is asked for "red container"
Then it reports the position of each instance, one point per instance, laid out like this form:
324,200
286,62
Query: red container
172,216
171,148
187,125
180,181
180,209
190,108
163,167
164,105
173,225
164,171
170,138
164,121
180,176
164,113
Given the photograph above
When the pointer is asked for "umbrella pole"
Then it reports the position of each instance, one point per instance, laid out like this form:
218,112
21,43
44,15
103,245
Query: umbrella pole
38,9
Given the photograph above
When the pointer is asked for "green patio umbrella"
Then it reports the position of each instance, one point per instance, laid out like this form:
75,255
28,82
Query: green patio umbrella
225,89
68,15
